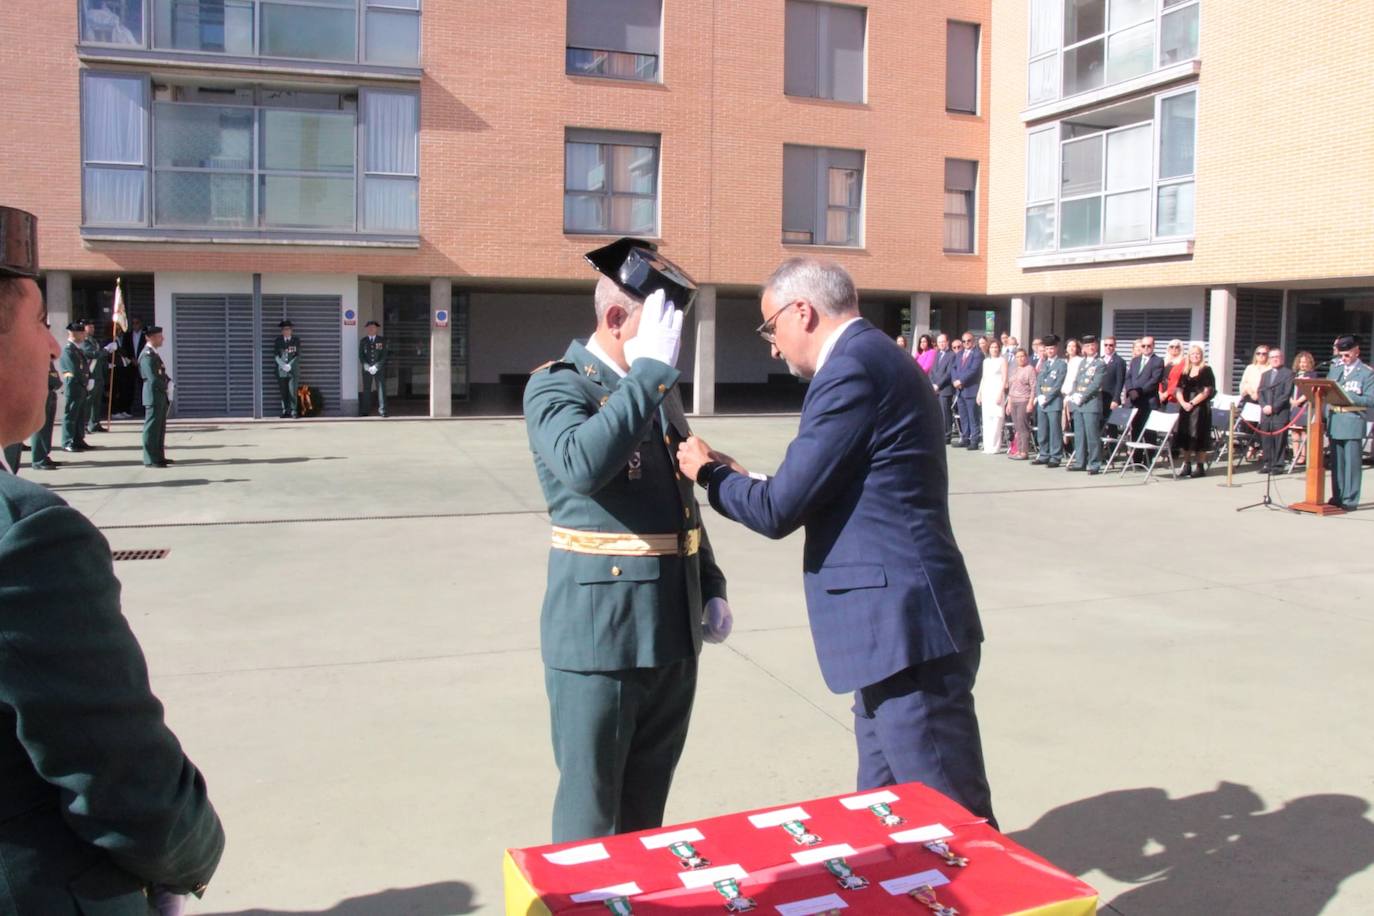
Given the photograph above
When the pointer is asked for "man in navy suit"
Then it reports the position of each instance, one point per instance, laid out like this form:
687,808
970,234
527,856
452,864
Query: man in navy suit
1141,388
942,381
967,375
891,607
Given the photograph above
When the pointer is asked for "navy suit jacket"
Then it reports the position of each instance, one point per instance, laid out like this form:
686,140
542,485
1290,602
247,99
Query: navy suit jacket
886,586
1147,382
969,373
1113,376
941,372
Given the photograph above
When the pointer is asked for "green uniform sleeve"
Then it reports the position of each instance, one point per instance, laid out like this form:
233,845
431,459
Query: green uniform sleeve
362,351
76,680
584,447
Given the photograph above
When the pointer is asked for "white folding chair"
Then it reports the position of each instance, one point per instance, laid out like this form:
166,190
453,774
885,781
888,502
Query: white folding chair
1121,420
1162,425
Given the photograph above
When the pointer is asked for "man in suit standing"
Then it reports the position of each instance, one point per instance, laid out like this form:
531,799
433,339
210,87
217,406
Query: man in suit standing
1049,404
1345,426
1276,404
128,387
1113,376
1085,406
892,610
1141,387
631,573
76,387
372,356
100,811
156,401
967,376
942,382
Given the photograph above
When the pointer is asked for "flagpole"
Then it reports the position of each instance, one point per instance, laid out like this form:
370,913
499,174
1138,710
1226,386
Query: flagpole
114,336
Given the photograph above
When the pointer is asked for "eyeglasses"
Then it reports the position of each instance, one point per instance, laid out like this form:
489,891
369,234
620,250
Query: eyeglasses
769,328
1174,347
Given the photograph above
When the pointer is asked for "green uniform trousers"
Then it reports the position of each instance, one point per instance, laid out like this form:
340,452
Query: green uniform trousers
13,454
1346,471
40,443
617,737
1087,439
155,430
74,421
286,388
95,404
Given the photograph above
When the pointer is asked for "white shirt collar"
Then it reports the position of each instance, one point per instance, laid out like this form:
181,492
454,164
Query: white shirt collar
594,349
830,342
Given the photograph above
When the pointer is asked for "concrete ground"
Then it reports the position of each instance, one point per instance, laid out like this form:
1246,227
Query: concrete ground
345,636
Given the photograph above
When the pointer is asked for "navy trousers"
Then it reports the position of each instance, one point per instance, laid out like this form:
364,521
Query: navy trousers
947,408
970,419
919,725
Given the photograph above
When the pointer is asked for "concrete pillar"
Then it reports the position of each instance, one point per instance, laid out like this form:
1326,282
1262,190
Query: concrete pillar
1021,320
1042,316
1221,337
441,347
920,317
704,374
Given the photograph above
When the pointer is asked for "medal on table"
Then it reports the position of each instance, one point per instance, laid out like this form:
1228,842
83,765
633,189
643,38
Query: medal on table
845,876
884,812
688,856
925,895
620,906
800,834
941,849
735,902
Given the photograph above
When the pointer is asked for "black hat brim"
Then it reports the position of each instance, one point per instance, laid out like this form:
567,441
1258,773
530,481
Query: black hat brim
636,267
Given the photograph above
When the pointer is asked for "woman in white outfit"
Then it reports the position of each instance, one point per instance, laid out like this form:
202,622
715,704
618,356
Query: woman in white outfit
992,395
1073,350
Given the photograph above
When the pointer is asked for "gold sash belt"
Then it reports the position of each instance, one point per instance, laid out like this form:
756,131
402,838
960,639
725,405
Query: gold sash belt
616,544
1351,408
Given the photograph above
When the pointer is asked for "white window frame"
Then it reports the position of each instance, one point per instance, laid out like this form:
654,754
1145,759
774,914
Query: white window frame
1159,182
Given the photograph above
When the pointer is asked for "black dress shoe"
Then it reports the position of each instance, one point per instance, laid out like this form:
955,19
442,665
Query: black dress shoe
1201,470
71,448
168,461
284,414
1039,461
1074,467
1187,471
1052,464
96,429
1093,472
155,464
46,466
86,446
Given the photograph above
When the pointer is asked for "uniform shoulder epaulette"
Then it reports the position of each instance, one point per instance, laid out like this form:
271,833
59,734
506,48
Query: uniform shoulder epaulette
551,364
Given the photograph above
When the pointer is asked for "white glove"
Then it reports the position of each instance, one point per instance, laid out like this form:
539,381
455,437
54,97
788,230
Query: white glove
90,384
111,347
371,370
717,621
1076,398
660,332
1040,400
171,391
168,904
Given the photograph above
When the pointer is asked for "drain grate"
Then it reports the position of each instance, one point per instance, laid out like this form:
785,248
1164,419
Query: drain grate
155,554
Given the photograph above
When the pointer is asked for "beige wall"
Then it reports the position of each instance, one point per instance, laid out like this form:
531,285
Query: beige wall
1285,152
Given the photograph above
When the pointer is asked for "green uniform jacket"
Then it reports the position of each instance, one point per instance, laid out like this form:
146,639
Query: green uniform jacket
604,466
1049,382
97,360
288,351
154,373
373,353
97,800
76,371
1359,388
1088,385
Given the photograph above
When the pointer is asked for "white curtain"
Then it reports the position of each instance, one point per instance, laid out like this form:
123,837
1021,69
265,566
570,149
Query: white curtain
391,204
1042,165
115,196
1128,158
1044,27
392,120
113,119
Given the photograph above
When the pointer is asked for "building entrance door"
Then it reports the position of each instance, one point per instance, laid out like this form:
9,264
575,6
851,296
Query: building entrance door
406,327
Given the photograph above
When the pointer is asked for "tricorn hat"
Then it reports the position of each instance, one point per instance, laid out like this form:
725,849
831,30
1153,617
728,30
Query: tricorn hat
636,267
1050,340
285,324
18,243
77,325
153,329
1347,342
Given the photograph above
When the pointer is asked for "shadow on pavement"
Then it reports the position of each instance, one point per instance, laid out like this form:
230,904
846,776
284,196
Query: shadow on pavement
178,447
446,898
194,482
199,462
1215,852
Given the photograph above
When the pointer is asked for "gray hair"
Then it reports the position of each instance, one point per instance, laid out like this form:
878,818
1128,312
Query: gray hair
609,293
824,284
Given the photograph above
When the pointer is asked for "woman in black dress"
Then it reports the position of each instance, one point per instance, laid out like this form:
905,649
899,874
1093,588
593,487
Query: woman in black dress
1194,396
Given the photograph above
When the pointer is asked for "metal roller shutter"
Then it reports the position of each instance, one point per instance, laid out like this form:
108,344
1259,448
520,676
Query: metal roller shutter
316,321
1259,320
213,356
1161,324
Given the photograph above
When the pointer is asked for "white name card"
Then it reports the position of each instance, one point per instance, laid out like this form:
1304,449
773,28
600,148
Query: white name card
708,876
779,817
823,854
592,852
908,883
860,802
813,905
927,834
662,840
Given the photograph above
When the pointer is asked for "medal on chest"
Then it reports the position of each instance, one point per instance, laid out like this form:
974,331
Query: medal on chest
636,466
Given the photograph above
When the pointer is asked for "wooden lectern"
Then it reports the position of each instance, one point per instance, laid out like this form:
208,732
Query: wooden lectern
1321,393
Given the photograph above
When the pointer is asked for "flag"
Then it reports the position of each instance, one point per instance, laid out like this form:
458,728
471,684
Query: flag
121,320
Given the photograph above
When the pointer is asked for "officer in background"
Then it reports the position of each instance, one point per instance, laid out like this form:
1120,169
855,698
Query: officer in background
1086,408
372,355
631,572
76,387
1345,426
97,359
287,352
155,401
1049,404
41,441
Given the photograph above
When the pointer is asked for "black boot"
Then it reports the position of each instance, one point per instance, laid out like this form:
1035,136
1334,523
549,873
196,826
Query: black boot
1187,470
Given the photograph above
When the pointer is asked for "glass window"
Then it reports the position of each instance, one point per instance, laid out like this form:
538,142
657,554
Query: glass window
1178,35
1040,228
824,51
1128,158
1124,13
610,183
203,136
1042,167
115,197
325,31
1097,43
1082,167
614,38
393,37
842,207
961,181
1083,68
1044,79
204,200
1131,53
1081,223
307,141
298,202
1176,209
114,150
1044,27
1127,218
1083,19
223,26
1178,115
822,196
961,67
112,22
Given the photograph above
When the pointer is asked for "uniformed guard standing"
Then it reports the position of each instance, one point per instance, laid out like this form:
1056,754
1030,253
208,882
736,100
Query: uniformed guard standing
155,398
1346,425
1086,408
97,360
1049,404
372,355
76,387
41,441
631,570
287,352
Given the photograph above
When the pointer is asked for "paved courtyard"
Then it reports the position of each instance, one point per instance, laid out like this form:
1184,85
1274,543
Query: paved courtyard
1174,695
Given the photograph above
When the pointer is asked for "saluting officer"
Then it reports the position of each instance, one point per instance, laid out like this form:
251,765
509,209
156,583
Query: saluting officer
1086,408
76,387
631,572
155,400
1049,404
1346,425
287,352
40,444
97,359
372,355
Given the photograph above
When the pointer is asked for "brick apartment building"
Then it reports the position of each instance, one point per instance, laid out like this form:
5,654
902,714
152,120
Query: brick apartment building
442,166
